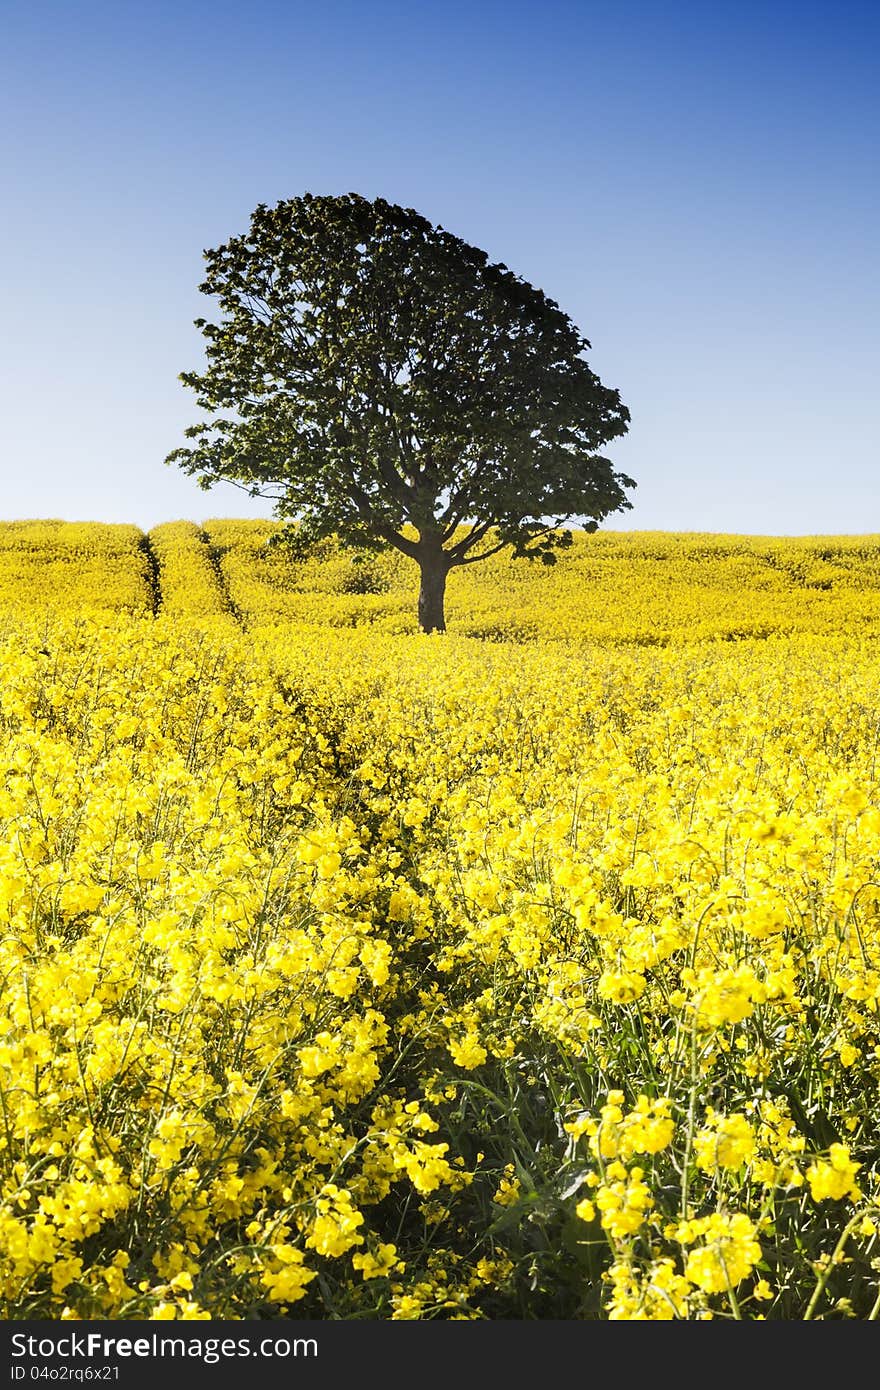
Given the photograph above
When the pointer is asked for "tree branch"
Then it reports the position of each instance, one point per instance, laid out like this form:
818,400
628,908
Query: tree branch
470,540
379,527
483,555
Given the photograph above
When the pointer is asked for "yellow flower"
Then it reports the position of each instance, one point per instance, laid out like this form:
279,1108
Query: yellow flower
468,1052
727,1142
623,1200
727,1253
725,996
657,1294
621,986
508,1190
287,1282
381,1261
334,1229
834,1177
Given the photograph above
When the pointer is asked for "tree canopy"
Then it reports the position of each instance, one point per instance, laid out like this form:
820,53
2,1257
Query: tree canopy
385,383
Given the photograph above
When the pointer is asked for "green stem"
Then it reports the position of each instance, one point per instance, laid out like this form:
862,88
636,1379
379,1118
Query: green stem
689,1133
832,1263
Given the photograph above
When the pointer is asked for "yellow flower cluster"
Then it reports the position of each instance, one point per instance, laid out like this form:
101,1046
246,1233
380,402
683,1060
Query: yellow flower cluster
188,574
372,974
834,1177
723,1251
646,1129
48,567
649,588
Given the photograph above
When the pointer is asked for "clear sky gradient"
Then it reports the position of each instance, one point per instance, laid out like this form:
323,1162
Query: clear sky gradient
696,184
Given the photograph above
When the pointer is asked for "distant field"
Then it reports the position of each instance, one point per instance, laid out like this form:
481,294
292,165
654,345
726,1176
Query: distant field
532,971
643,587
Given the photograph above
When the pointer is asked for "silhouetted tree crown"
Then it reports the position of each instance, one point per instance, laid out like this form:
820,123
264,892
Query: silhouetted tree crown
386,384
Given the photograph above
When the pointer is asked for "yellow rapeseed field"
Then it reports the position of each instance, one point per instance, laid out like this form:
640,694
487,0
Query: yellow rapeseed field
527,972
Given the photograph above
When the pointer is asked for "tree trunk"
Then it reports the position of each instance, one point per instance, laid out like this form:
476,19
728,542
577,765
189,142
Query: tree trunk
431,592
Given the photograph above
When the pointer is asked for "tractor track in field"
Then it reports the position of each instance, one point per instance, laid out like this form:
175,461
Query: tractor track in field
213,557
154,584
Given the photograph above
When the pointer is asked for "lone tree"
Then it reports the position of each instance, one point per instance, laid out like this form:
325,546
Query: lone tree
385,383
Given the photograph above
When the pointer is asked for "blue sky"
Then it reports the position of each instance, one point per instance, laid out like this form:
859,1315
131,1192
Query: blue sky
696,184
